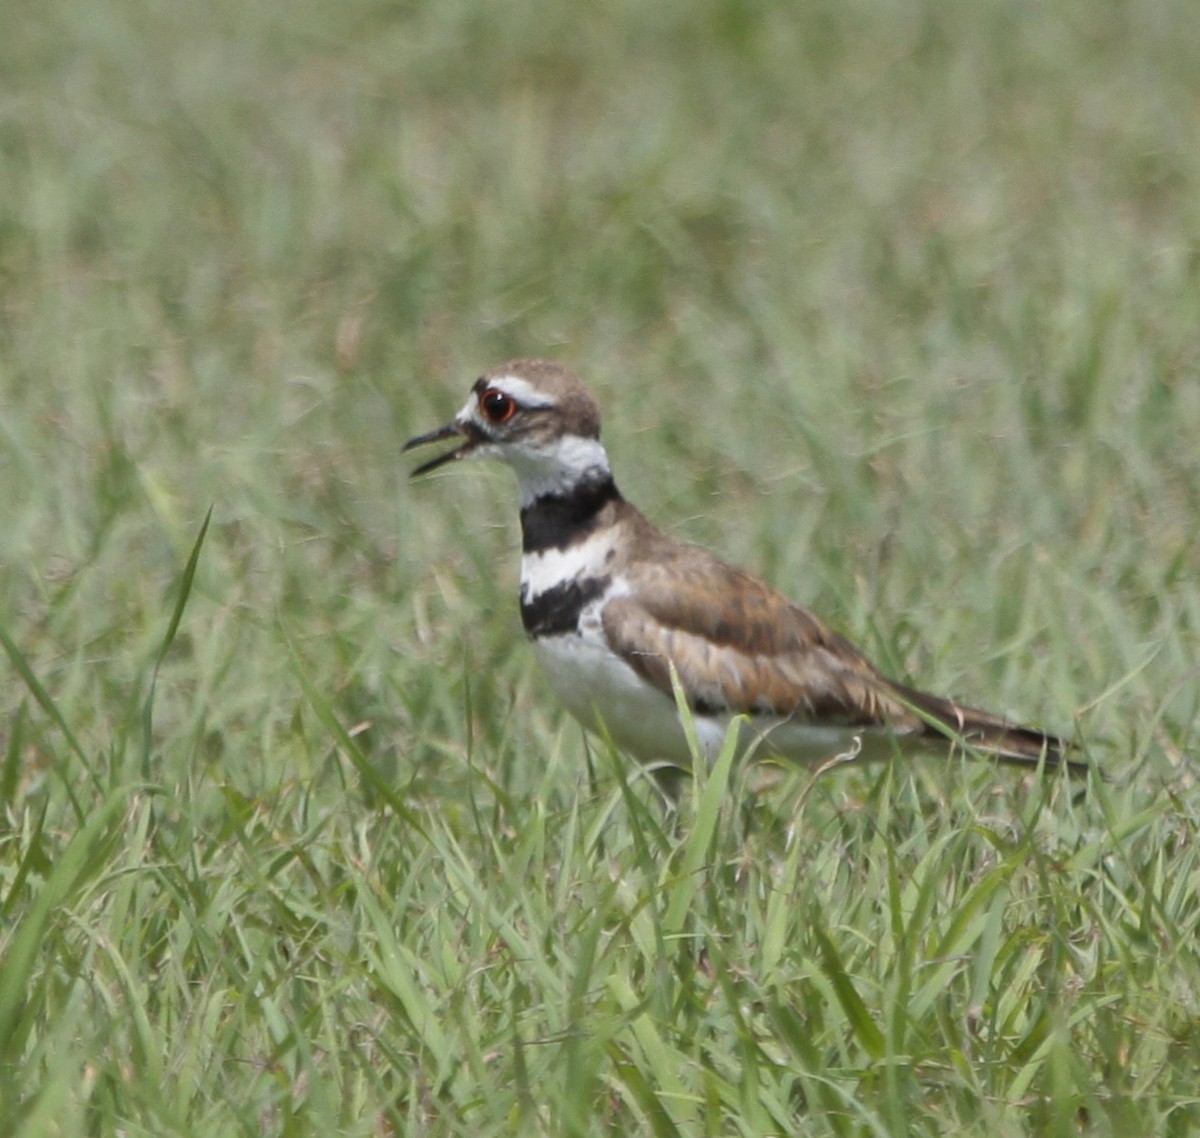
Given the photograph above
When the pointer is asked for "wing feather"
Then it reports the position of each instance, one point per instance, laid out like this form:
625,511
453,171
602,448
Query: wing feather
740,647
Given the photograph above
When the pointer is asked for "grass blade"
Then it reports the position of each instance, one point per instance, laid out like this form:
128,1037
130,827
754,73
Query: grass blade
865,1029
185,591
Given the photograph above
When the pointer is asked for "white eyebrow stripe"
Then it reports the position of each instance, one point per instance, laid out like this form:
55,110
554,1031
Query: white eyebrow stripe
521,390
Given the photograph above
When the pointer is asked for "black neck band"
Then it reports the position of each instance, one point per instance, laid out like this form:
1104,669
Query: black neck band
555,520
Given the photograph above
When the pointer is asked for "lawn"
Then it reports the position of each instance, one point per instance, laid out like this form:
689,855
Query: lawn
895,304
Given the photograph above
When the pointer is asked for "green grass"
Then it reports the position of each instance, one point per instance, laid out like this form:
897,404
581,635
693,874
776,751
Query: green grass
895,303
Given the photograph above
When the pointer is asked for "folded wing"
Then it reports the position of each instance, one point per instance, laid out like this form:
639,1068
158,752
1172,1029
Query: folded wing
739,647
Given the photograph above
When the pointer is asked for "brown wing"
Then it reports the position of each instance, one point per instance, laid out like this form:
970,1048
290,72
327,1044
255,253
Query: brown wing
739,646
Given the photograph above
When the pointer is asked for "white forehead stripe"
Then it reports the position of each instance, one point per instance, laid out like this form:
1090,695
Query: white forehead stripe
521,390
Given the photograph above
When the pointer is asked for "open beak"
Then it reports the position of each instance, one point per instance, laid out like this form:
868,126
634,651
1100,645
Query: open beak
449,431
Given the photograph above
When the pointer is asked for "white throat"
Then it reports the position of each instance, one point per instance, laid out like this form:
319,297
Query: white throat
554,467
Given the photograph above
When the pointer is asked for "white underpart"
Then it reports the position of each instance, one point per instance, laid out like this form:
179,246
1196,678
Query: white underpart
606,695
550,567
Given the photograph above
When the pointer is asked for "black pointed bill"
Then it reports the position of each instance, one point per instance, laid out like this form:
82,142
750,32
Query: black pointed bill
449,431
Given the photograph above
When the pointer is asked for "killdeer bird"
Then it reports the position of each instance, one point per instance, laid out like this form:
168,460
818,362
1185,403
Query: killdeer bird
618,611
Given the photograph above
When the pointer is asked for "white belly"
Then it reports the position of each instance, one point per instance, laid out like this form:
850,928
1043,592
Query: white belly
606,695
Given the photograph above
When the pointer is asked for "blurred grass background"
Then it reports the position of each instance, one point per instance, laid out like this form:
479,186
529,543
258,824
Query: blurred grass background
894,303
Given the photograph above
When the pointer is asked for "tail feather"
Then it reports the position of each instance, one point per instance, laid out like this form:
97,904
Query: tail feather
1007,741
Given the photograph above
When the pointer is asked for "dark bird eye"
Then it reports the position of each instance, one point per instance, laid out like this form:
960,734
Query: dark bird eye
496,406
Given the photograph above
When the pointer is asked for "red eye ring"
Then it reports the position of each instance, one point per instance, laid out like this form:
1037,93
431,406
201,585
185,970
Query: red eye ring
497,406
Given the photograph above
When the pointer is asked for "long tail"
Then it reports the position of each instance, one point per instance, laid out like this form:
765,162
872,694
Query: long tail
1009,742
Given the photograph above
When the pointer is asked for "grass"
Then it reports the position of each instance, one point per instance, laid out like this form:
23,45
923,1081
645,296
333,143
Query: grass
893,303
